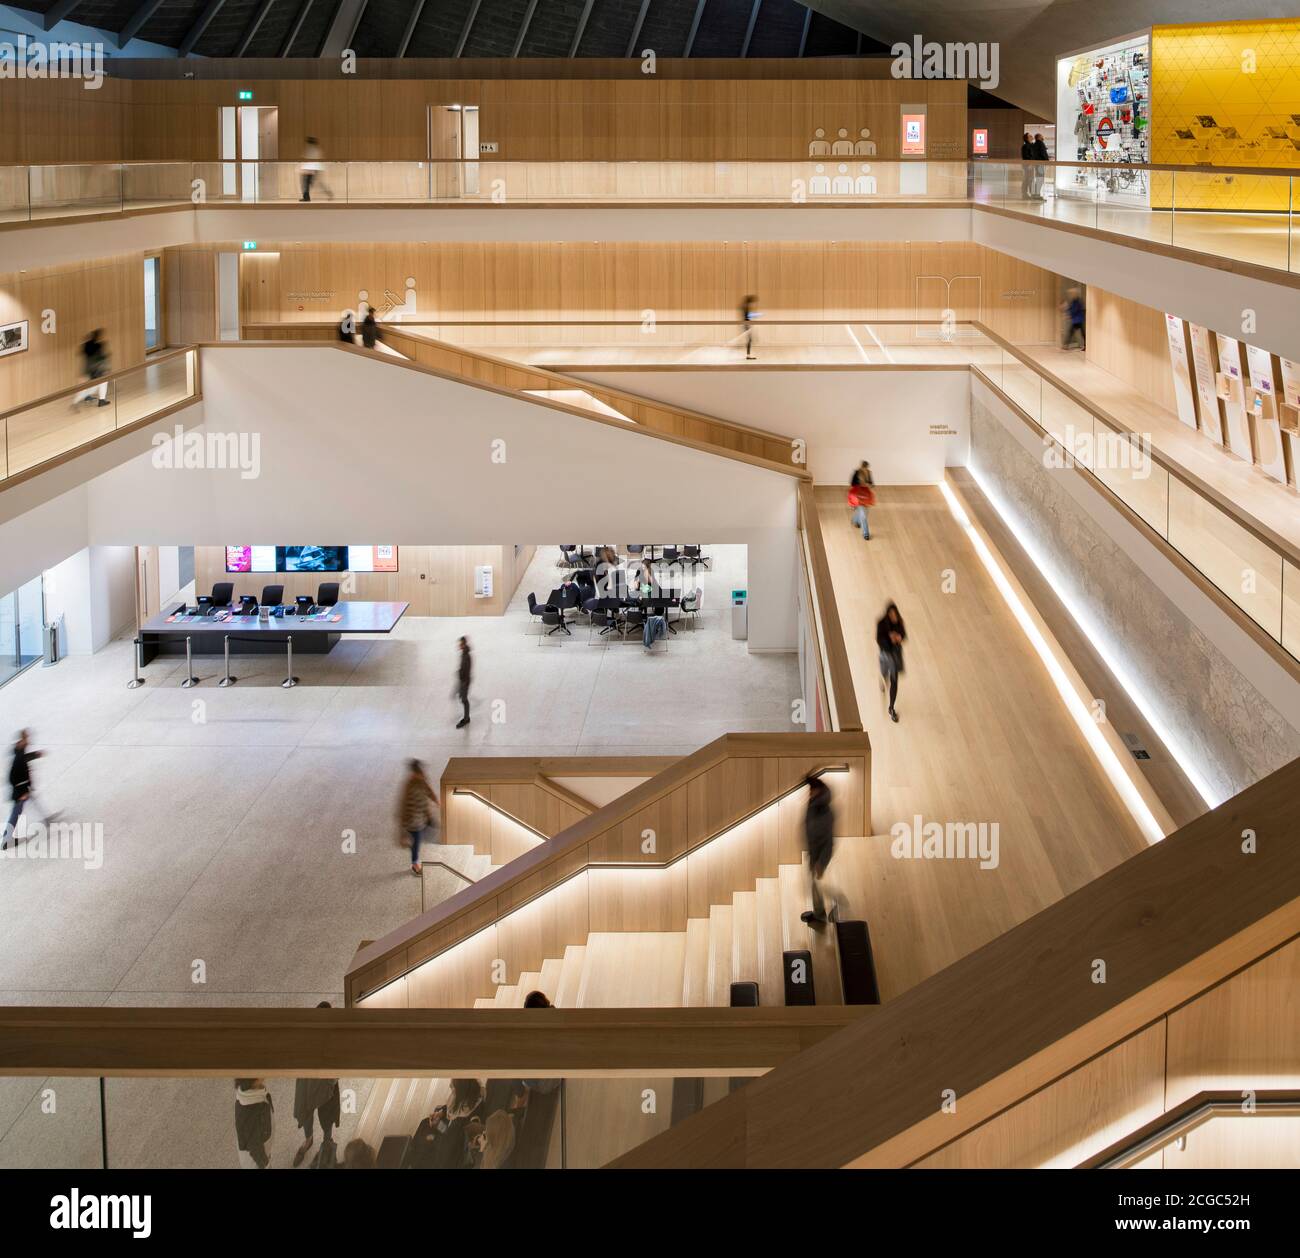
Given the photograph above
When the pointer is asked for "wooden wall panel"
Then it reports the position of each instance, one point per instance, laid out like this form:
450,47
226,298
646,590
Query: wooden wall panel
1129,340
435,580
103,293
550,280
571,119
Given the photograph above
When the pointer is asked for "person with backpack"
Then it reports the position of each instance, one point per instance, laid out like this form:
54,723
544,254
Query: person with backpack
862,494
254,1123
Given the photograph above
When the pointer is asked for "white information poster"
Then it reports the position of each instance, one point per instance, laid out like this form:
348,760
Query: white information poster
1291,398
1263,414
1236,429
1203,368
1182,369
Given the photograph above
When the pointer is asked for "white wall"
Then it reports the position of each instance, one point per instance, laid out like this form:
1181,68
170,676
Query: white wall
169,571
350,447
896,419
94,591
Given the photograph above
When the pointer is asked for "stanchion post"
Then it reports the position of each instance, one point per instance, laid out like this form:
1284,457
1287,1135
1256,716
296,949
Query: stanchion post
190,679
227,680
290,679
136,680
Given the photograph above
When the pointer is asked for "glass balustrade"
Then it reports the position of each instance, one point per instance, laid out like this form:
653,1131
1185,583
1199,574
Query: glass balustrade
1244,215
54,426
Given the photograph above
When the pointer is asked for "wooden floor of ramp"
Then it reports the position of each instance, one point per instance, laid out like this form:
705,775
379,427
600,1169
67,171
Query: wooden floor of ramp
983,736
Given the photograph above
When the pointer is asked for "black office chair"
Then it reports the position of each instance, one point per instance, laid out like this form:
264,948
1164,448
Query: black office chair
633,621
535,608
602,615
693,556
272,595
222,593
328,594
568,555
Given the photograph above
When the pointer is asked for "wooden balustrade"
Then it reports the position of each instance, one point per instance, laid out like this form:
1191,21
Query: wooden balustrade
706,826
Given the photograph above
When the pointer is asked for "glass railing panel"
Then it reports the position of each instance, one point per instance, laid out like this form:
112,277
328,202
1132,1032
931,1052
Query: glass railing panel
1022,384
147,184
14,207
1074,195
154,387
83,189
1291,607
1068,422
48,429
1246,569
390,181
50,1123
1124,463
1233,215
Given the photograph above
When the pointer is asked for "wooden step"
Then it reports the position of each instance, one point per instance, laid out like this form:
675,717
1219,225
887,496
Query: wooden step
720,955
796,898
507,996
771,936
695,974
633,970
744,937
566,995
484,1002
549,979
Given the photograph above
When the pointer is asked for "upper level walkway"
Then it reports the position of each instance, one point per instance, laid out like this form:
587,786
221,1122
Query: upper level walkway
1178,208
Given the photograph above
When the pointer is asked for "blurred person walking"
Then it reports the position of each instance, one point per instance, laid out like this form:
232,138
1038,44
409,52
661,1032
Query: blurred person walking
464,672
819,841
890,636
312,170
862,494
312,1099
20,786
418,811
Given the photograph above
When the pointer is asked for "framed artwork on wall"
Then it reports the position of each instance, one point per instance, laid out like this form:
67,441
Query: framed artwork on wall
13,338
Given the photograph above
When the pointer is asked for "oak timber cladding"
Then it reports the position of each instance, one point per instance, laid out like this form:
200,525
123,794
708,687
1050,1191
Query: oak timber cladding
355,119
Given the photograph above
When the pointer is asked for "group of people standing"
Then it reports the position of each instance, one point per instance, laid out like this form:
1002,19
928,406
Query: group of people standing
1033,151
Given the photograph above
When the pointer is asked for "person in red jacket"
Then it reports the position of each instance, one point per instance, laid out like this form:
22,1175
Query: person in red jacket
862,494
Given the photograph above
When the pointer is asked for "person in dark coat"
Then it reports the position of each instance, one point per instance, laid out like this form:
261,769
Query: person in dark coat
1040,155
890,636
442,1140
819,839
254,1122
313,1098
463,674
1026,168
20,785
369,329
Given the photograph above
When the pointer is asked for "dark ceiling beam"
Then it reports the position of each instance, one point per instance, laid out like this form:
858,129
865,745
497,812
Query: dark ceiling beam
749,30
636,30
303,10
258,18
411,23
58,11
695,26
137,19
523,28
803,38
582,26
465,30
195,33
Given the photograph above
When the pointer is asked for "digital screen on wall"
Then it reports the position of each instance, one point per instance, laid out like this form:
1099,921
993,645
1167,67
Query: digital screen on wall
251,559
979,143
913,135
313,558
372,558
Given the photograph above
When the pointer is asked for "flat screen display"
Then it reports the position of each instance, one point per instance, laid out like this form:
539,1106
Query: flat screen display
372,558
251,559
313,558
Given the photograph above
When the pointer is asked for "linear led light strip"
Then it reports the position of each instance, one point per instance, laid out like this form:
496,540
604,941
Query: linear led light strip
1177,748
1101,749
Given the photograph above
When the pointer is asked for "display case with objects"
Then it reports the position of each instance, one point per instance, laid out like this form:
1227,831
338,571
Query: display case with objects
1103,115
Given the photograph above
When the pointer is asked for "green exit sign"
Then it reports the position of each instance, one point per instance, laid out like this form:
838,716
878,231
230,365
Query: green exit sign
250,244
245,95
